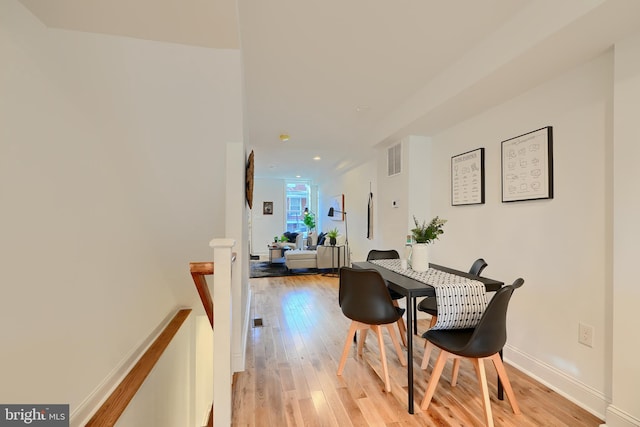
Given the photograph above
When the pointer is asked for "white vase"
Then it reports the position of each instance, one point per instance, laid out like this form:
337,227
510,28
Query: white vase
420,257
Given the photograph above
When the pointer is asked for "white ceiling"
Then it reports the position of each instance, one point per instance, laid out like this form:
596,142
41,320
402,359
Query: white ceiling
341,77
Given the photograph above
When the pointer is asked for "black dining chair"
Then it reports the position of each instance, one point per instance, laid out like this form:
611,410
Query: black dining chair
363,298
395,296
485,341
429,304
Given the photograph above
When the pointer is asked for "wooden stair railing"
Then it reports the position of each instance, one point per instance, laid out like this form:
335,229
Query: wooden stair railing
116,403
198,271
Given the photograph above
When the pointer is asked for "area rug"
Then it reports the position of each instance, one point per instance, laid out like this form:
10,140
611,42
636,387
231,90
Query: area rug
266,269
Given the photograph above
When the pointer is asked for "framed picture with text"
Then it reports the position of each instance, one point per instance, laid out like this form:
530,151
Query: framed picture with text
467,178
527,166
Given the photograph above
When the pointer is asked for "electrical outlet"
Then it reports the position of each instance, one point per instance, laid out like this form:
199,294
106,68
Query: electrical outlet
585,334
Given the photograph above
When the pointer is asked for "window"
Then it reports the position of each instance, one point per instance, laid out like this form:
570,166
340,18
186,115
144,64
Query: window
297,199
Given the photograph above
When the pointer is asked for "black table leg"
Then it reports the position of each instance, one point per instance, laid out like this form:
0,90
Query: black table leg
415,317
410,324
500,389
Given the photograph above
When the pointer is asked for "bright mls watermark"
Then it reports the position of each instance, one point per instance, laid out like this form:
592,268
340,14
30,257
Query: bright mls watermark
34,415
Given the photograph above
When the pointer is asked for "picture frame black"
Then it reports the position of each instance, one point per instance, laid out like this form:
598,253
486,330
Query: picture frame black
467,178
267,208
527,166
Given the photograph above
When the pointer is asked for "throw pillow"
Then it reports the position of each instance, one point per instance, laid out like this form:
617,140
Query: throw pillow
291,236
321,238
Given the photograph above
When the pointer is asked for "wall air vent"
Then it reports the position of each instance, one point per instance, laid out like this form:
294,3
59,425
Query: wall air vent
394,160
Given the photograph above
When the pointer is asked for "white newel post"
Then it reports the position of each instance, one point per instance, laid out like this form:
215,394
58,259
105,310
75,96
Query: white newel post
222,326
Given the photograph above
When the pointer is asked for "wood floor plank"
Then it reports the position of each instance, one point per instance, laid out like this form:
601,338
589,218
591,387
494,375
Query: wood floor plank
292,360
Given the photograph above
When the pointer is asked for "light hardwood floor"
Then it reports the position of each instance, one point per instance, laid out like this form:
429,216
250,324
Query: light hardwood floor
290,377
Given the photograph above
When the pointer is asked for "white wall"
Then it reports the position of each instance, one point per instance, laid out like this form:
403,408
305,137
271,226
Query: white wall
625,407
159,402
355,184
111,175
265,227
560,246
397,187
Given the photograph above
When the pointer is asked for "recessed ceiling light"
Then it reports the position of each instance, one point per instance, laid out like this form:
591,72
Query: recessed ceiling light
298,176
316,158
284,137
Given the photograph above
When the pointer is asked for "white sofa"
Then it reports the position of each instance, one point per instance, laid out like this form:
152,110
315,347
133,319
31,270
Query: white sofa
298,244
322,257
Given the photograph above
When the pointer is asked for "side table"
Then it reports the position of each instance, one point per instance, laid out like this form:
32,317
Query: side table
334,273
275,253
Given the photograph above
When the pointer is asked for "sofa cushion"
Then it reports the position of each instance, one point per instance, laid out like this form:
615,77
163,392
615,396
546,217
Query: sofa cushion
300,259
301,254
290,235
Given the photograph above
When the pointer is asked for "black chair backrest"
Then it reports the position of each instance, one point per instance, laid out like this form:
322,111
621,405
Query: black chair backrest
478,266
363,296
380,254
490,335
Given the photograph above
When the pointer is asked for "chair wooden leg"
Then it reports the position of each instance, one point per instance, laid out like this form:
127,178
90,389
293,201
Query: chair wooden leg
347,346
502,374
363,338
482,379
383,357
454,371
433,380
396,345
428,347
427,354
433,321
402,327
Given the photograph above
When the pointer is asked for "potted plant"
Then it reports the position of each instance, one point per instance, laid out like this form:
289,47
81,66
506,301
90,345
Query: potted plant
332,235
427,233
310,221
423,234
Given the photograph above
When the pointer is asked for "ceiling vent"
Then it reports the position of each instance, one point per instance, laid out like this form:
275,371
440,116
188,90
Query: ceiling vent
394,160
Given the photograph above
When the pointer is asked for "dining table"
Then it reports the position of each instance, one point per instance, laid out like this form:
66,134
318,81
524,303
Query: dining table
411,289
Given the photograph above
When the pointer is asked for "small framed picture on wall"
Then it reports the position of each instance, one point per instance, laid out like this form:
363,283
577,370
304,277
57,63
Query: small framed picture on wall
267,208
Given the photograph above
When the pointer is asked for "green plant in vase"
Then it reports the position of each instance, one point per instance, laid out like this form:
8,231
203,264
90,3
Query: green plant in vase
310,221
423,234
333,236
427,233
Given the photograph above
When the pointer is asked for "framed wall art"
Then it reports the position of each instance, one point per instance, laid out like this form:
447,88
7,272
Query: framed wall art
467,178
267,208
249,180
527,166
337,203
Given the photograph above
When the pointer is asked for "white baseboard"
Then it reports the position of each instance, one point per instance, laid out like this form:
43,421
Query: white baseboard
577,392
83,413
619,418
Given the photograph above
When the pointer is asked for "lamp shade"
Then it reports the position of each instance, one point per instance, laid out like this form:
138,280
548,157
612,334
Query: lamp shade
330,212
